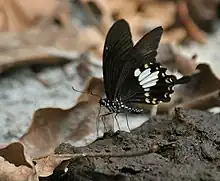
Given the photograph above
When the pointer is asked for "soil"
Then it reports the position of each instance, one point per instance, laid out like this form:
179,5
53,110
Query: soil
194,154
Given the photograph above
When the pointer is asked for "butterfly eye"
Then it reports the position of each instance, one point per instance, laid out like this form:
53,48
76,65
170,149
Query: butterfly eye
147,100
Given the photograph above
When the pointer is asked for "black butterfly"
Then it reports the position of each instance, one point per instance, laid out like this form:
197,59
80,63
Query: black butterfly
131,74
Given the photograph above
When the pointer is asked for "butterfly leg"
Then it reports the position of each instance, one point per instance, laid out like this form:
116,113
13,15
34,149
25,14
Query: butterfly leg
117,121
97,122
153,111
103,122
102,119
126,116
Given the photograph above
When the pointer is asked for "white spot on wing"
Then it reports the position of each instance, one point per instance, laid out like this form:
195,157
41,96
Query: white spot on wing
144,74
150,78
137,72
146,90
147,100
150,84
146,94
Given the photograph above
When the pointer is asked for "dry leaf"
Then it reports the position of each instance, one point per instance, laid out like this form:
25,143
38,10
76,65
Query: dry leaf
19,15
52,126
193,30
175,36
15,164
202,92
122,8
162,12
204,13
203,102
43,45
202,82
45,166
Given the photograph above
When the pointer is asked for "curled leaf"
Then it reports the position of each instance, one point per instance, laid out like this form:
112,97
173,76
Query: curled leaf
15,164
203,102
202,82
46,166
52,126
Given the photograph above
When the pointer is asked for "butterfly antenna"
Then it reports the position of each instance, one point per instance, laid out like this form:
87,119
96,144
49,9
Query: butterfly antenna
91,93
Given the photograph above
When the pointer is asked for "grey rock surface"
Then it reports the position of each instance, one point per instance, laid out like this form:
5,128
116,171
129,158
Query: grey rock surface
189,150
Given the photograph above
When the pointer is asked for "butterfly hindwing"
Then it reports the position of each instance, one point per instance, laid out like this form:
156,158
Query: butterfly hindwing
153,85
117,45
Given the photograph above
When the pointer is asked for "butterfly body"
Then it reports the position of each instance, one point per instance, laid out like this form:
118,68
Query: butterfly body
117,106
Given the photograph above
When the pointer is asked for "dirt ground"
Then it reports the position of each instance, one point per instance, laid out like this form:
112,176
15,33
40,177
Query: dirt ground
194,154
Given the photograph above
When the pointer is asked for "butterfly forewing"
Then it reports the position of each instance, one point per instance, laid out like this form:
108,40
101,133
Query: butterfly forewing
117,45
146,48
143,53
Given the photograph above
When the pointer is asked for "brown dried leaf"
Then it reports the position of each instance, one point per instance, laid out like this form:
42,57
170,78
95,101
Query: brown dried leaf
42,46
94,86
202,92
19,15
193,30
162,12
203,102
45,166
175,36
204,13
52,126
203,82
122,8
15,164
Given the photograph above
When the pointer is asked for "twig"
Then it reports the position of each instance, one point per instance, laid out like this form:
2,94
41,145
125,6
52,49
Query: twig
153,149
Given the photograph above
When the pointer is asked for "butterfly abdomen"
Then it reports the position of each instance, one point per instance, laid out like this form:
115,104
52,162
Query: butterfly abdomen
117,106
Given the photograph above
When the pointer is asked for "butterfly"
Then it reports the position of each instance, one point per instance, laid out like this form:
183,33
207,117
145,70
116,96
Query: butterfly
131,73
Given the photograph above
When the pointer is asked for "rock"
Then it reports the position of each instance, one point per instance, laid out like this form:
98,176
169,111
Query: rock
194,156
